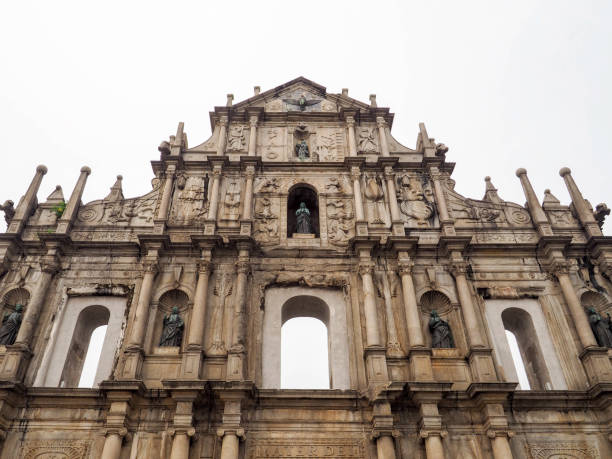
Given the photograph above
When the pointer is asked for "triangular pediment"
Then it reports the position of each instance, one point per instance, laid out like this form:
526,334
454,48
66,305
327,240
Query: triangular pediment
300,94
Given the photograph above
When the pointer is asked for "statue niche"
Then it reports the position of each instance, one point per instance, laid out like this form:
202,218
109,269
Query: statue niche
301,144
172,318
302,212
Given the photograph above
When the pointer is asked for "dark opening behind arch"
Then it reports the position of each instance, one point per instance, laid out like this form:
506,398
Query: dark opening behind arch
298,194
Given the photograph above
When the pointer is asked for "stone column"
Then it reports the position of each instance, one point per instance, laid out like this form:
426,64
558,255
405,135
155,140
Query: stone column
164,206
248,193
393,347
459,269
445,220
27,203
134,351
585,214
112,444
501,447
192,357
413,318
369,304
180,446
433,447
356,175
395,210
253,136
352,143
222,135
235,370
214,193
385,447
33,310
535,209
65,221
579,316
382,134
230,446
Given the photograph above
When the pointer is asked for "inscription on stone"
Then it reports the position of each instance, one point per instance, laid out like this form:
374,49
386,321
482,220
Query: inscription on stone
282,449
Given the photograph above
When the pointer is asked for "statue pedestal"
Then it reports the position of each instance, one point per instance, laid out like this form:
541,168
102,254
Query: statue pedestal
302,236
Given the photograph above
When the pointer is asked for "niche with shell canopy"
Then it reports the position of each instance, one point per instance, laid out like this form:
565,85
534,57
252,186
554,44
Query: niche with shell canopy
165,304
597,301
434,300
12,298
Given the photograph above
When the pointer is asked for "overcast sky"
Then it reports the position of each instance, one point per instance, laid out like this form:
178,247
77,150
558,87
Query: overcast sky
503,84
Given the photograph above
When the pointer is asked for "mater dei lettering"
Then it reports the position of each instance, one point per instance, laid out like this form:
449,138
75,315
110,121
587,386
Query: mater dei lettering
303,204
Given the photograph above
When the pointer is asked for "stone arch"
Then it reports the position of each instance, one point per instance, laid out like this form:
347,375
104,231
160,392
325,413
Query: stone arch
327,305
76,321
525,319
89,319
303,192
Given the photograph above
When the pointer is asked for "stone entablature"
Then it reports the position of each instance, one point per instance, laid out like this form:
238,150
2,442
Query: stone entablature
390,252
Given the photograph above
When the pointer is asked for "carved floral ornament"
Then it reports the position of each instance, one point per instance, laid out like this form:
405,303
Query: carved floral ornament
562,450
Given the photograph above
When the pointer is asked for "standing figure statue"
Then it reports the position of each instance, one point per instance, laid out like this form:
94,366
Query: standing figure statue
301,150
172,334
441,334
10,326
601,328
303,220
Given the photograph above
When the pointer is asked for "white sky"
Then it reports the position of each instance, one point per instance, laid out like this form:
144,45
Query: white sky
503,84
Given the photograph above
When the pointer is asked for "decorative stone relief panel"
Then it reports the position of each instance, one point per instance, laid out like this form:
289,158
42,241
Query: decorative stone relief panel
236,137
126,212
190,200
267,211
56,449
367,139
340,225
341,447
416,200
231,202
562,450
374,191
272,143
330,144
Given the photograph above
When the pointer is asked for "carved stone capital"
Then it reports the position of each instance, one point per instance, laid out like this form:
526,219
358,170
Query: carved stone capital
350,121
424,433
223,121
243,267
49,265
492,433
205,267
458,268
216,172
405,267
239,432
377,433
121,431
189,431
366,268
355,173
388,172
150,266
558,268
249,173
253,121
380,122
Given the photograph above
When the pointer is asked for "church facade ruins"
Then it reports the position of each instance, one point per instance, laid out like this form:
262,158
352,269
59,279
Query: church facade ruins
303,204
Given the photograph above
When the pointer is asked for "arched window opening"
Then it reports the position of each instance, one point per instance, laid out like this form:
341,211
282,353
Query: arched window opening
305,344
518,322
519,365
90,318
92,359
304,354
306,195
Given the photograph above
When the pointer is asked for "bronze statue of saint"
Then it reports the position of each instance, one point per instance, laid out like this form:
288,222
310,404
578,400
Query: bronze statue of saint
441,334
172,334
301,150
601,328
303,219
10,326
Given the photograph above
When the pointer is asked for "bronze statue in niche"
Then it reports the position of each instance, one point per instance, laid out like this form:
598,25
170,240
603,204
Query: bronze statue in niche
303,220
441,334
172,334
10,326
601,328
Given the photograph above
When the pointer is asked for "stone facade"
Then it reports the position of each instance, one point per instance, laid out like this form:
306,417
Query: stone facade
391,242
